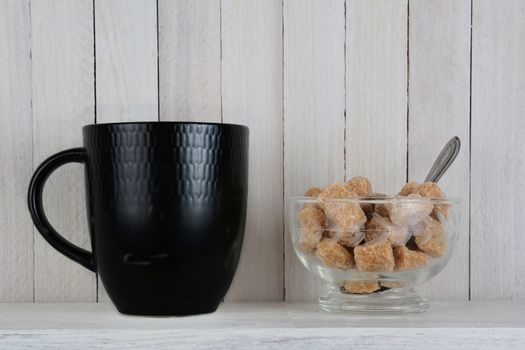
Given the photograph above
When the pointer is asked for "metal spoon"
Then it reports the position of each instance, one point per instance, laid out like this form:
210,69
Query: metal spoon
444,160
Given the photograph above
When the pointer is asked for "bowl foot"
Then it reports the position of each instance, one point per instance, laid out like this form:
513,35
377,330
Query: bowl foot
392,301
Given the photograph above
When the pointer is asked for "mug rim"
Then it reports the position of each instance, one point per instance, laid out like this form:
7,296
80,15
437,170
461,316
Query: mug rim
163,122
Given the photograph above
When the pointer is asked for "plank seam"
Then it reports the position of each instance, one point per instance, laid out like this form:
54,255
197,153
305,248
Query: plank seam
220,61
94,62
32,136
408,91
344,113
95,114
470,161
158,65
284,164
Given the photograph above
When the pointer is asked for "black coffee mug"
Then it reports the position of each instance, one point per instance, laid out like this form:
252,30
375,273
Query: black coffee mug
166,205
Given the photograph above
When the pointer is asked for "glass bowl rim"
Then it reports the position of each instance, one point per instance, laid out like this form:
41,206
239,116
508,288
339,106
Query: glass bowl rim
371,200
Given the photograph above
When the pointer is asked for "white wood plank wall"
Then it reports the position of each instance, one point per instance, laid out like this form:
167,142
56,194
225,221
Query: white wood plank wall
190,60
62,101
330,90
376,92
439,90
126,65
314,107
252,95
16,153
498,153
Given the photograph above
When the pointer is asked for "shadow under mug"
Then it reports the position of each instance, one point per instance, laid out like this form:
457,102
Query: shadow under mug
166,205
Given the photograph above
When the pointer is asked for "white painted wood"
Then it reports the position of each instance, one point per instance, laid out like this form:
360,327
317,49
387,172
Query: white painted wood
63,101
376,94
466,325
263,315
126,65
318,338
439,109
252,95
126,60
16,153
498,156
314,103
190,60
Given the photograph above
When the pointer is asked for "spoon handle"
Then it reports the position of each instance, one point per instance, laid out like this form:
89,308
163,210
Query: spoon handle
444,160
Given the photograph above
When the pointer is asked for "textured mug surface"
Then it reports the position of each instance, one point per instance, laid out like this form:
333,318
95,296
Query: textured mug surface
166,206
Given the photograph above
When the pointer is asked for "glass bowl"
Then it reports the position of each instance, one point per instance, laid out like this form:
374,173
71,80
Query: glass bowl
374,253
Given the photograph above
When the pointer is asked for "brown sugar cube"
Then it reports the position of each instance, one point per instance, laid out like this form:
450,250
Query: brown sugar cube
409,213
369,208
397,235
348,217
407,259
432,190
347,239
313,192
361,287
440,212
378,227
409,188
310,238
431,239
312,217
374,256
381,208
374,229
334,255
360,185
443,209
392,284
337,191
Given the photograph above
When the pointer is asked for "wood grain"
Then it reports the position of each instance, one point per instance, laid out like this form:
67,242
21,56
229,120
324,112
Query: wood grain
126,60
16,234
190,60
126,65
464,325
261,316
376,94
439,109
314,106
63,101
317,338
252,95
498,157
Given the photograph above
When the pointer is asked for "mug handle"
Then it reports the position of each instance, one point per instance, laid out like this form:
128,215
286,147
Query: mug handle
34,199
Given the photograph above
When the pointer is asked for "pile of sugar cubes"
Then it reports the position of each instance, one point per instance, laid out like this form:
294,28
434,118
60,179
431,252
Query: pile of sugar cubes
392,235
